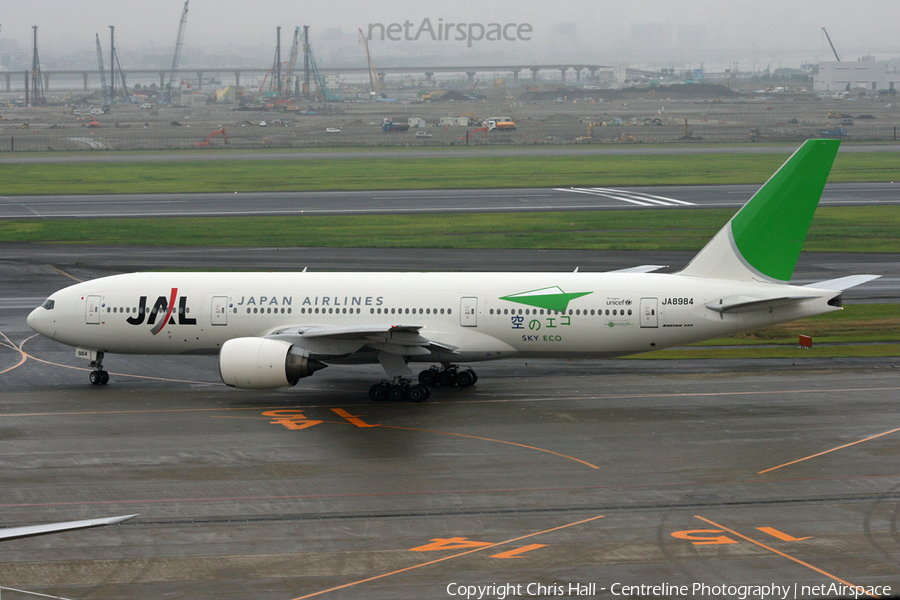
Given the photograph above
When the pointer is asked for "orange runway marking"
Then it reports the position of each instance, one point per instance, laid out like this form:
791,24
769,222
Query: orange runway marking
859,589
781,535
484,439
793,462
432,562
517,551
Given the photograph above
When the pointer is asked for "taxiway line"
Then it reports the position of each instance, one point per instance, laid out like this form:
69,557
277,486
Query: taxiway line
793,462
475,437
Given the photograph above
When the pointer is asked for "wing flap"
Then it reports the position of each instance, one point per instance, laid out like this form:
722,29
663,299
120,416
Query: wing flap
343,340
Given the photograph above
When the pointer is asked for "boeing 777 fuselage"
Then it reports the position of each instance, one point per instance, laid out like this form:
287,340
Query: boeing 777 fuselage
271,329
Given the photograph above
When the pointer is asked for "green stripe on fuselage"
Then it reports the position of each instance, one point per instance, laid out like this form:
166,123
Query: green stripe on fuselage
770,230
554,299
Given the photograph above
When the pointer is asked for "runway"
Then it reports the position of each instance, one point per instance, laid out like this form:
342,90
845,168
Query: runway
471,152
420,201
612,473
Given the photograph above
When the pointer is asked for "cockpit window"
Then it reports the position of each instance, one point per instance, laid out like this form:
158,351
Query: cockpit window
48,304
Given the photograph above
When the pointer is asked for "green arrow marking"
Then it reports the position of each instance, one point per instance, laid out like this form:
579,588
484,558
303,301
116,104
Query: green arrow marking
551,298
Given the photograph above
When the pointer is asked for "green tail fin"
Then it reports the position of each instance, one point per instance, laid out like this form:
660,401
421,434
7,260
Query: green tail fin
763,240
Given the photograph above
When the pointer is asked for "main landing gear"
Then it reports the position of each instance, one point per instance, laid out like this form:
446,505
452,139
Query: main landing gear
448,376
400,390
98,375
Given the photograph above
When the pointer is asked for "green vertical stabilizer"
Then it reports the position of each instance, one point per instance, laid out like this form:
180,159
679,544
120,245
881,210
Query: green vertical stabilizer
770,230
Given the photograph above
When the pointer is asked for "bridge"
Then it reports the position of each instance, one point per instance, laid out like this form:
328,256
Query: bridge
429,72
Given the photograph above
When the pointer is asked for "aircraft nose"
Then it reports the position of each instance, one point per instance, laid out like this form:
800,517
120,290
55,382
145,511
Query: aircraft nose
32,319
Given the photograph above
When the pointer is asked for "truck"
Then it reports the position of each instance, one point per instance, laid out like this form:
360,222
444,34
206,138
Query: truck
494,125
390,127
832,132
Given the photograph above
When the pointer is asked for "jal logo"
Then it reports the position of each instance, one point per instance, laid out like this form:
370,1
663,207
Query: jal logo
162,306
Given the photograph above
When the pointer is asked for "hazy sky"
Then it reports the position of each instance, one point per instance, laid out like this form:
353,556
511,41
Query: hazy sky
764,26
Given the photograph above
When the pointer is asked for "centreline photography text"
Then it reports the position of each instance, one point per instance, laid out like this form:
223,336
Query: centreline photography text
795,591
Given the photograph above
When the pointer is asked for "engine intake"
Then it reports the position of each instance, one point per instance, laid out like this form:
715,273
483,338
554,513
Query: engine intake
260,363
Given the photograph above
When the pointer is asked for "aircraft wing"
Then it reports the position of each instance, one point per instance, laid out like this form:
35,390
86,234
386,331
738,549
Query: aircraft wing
640,269
11,533
342,340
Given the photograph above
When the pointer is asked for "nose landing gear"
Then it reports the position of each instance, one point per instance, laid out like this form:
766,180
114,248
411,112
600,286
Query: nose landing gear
98,376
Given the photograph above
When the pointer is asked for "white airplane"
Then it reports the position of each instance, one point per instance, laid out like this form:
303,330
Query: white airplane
11,533
271,329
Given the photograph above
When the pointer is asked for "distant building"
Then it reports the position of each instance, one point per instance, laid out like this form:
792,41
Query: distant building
872,75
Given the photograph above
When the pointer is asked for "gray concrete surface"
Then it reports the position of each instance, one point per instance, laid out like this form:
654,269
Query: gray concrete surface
545,473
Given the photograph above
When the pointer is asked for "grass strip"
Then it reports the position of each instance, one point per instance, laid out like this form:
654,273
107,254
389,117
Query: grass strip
402,172
844,229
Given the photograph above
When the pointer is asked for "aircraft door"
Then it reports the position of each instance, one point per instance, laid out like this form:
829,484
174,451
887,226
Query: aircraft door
92,310
219,310
468,311
649,312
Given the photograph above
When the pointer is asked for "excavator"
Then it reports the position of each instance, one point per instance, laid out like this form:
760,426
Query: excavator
205,142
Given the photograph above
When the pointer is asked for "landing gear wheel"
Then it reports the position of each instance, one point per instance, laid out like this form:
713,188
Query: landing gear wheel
399,392
98,376
378,392
419,393
466,378
429,376
446,378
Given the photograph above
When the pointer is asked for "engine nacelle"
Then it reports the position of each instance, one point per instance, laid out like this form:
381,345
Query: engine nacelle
260,363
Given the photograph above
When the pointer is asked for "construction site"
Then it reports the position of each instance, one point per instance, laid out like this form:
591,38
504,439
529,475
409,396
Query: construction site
298,103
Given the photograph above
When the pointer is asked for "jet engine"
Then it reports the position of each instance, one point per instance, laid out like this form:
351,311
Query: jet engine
260,363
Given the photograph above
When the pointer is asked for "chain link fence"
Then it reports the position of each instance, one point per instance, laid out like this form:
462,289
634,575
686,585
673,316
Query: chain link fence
545,134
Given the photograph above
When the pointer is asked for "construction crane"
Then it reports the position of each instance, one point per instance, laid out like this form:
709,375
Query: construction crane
104,88
828,37
375,85
116,67
37,81
290,82
179,44
322,92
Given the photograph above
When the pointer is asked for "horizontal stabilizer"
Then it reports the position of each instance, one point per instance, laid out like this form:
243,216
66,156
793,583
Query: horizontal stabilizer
640,269
842,283
741,303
